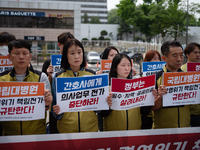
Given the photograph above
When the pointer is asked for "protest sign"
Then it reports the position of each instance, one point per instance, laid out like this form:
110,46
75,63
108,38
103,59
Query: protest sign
21,101
86,93
131,93
56,62
150,68
153,139
106,65
5,64
183,88
193,66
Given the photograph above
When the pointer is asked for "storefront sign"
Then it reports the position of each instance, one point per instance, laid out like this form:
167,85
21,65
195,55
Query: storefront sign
22,13
34,38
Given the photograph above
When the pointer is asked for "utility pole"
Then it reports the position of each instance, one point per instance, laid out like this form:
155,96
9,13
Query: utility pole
187,24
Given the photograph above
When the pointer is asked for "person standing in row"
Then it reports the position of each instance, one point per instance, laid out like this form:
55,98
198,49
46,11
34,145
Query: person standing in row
173,116
5,38
151,56
192,52
19,54
47,68
73,64
125,119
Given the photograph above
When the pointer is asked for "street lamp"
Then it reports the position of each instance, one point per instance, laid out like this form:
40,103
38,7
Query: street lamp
173,30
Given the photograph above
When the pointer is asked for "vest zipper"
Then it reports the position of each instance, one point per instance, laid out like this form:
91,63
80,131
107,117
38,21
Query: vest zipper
79,125
127,119
21,127
178,117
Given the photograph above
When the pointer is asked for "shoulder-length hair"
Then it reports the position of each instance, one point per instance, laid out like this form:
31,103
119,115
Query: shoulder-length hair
64,62
107,50
116,60
150,54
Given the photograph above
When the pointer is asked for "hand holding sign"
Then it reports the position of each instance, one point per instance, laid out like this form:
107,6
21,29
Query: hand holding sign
109,99
155,93
162,90
56,109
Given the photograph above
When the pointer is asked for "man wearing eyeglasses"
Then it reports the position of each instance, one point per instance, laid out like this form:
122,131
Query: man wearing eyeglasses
192,52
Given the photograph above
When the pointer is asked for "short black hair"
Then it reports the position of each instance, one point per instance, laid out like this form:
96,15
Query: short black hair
63,37
190,47
19,44
116,60
165,48
64,61
107,50
6,37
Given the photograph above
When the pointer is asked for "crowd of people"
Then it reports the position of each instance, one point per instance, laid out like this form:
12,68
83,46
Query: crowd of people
73,64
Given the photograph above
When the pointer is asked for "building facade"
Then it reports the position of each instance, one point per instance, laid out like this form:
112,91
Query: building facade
40,22
96,8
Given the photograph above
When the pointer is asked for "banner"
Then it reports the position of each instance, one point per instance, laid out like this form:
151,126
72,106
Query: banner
86,93
131,93
183,88
5,64
21,101
56,62
193,66
149,68
153,139
106,65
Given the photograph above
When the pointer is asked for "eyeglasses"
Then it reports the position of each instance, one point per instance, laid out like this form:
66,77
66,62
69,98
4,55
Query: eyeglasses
196,52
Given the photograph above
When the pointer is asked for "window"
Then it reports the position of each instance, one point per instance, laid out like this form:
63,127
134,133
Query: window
37,22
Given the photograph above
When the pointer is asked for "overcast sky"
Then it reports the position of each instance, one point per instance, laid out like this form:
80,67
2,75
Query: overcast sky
111,4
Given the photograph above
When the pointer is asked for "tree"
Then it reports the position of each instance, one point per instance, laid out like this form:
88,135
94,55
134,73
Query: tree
126,9
95,20
103,33
192,21
124,28
112,17
198,23
85,18
153,18
143,21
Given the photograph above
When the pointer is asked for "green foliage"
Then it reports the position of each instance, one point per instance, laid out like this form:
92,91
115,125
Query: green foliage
198,23
85,18
124,28
191,21
107,39
104,32
143,21
147,1
137,38
94,38
95,20
126,9
84,38
112,17
101,38
152,18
